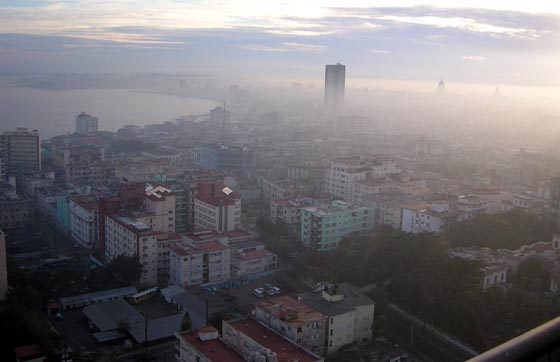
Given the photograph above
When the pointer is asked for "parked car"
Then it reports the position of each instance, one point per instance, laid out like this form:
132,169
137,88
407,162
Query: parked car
270,291
276,290
268,286
259,292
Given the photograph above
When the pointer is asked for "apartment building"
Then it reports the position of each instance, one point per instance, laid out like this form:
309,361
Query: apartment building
253,340
217,210
294,320
436,217
253,262
126,236
203,345
83,220
22,151
350,314
14,210
199,263
159,209
323,228
343,173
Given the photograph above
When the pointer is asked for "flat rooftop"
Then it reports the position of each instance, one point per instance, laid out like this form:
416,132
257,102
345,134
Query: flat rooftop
284,349
215,350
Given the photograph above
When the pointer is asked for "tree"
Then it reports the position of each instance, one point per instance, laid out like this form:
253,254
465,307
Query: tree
532,276
186,323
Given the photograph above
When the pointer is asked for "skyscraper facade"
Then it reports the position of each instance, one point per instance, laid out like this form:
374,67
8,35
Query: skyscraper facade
21,151
86,124
335,78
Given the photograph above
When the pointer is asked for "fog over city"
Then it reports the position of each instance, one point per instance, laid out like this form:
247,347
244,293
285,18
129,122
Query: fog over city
279,181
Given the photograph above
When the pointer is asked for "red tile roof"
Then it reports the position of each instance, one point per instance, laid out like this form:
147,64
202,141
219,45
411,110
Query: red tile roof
215,350
285,350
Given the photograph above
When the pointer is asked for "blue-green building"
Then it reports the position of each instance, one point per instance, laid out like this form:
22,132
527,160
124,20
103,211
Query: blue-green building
323,228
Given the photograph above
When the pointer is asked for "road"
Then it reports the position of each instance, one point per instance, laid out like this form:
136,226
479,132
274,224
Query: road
424,346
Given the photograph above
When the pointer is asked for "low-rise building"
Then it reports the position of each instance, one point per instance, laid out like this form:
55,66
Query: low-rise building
199,263
254,341
350,314
323,228
436,217
203,345
253,262
294,320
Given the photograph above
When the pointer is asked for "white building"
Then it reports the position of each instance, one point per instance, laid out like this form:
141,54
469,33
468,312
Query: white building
436,217
83,220
126,236
350,314
221,213
86,124
253,262
159,209
199,263
343,173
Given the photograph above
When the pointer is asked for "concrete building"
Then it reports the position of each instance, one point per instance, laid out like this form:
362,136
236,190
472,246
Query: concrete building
323,228
218,210
146,170
275,189
190,182
159,209
494,269
253,262
294,320
199,263
256,342
388,209
126,236
22,151
14,210
89,173
3,267
231,159
436,217
350,314
288,211
86,124
343,173
203,345
335,79
84,220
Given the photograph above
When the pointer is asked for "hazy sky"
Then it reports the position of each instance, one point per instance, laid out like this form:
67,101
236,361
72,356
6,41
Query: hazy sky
491,41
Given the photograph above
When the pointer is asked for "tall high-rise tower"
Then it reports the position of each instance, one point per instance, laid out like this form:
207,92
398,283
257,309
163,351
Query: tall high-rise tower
86,124
335,78
441,86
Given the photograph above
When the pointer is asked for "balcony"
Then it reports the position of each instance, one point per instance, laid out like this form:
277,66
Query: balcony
539,344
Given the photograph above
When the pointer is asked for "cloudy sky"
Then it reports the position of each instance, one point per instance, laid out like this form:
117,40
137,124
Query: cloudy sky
491,41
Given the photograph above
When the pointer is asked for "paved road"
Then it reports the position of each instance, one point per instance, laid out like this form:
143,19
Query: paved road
425,346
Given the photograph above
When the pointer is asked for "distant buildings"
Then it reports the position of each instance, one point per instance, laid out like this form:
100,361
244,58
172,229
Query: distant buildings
231,159
335,78
3,267
86,124
323,228
22,151
14,210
